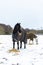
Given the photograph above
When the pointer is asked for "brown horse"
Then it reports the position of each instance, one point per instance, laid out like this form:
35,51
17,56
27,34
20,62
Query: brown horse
31,36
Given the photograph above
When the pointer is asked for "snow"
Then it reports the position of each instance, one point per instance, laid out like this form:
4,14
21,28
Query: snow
32,55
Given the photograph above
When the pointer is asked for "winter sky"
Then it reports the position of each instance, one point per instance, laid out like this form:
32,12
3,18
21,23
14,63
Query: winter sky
27,12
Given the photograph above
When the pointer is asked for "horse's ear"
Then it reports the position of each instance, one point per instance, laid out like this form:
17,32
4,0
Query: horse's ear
19,23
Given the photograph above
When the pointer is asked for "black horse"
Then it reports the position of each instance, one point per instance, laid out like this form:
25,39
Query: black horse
19,34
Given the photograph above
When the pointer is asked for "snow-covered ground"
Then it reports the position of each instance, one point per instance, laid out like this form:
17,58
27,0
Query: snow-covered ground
32,55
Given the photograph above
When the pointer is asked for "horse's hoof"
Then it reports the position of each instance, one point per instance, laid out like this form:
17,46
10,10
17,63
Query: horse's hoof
25,48
18,48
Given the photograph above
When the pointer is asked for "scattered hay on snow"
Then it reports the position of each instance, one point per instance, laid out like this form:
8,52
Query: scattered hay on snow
14,50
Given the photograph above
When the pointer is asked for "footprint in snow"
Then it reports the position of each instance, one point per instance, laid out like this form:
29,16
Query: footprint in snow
16,64
1,62
5,59
41,53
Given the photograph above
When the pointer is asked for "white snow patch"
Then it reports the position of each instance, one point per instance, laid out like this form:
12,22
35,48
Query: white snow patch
32,55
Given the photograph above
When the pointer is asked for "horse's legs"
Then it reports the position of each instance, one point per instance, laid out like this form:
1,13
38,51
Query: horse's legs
24,45
29,41
36,41
20,44
13,45
32,42
25,42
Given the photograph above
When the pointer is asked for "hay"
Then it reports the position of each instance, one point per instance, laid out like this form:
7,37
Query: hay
14,50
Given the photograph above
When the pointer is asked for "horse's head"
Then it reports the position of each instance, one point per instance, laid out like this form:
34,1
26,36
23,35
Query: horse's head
17,28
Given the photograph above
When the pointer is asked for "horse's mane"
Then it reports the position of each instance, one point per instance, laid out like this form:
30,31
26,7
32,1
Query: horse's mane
15,28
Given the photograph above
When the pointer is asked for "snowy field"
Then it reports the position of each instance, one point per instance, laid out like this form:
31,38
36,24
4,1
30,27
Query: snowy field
32,55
